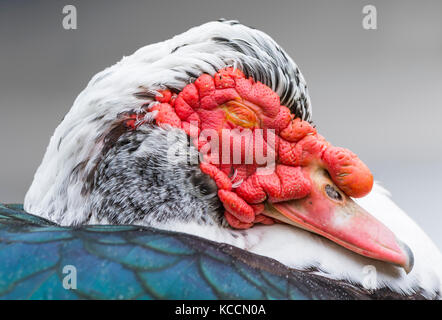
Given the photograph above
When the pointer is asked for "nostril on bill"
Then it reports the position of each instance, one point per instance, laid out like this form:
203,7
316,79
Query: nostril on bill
332,193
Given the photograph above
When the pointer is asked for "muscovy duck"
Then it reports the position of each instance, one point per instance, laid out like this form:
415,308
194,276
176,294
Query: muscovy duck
124,155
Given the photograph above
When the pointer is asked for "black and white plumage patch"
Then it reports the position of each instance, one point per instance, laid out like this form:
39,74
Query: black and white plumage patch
138,181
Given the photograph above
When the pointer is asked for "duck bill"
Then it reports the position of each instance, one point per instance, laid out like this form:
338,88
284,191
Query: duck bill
327,211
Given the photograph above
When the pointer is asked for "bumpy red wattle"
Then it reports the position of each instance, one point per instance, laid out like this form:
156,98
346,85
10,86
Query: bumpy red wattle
285,183
229,100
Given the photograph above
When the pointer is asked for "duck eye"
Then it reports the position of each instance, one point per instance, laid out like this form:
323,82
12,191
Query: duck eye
240,115
332,193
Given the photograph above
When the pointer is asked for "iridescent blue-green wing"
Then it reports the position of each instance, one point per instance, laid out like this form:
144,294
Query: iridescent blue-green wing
40,260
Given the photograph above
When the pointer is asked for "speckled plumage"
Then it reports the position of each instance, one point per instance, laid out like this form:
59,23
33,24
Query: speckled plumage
136,178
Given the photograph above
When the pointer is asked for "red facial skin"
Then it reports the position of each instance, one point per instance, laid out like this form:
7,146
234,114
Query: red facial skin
229,100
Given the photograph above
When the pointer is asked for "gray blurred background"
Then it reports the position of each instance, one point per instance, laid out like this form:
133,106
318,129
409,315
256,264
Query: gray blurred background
377,92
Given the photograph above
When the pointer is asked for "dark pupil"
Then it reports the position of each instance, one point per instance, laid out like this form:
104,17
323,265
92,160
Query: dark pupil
332,193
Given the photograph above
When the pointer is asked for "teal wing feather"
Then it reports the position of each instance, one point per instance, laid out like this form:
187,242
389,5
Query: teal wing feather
131,262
